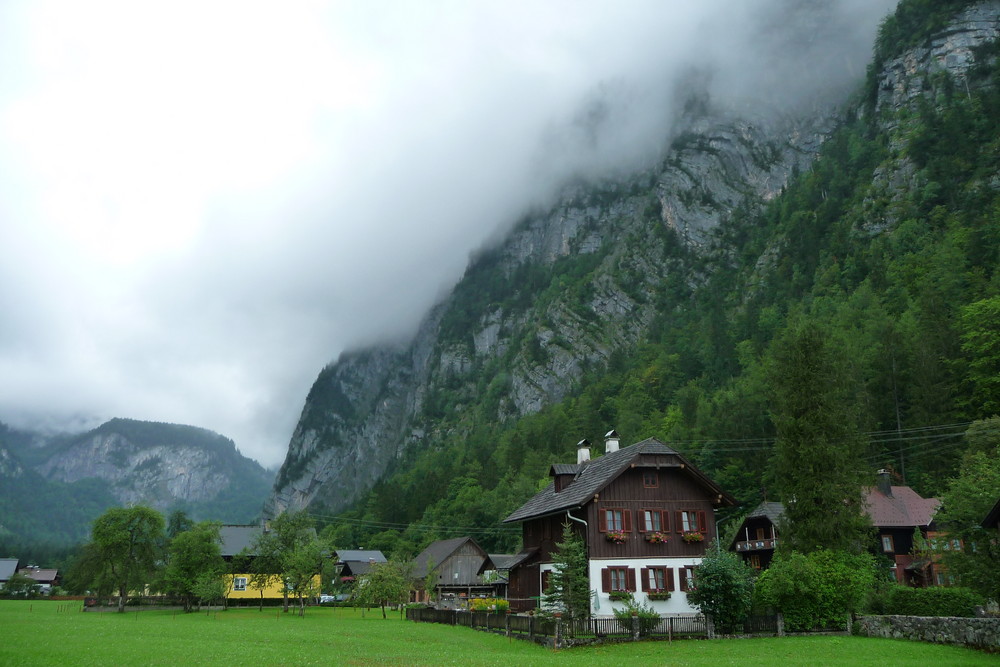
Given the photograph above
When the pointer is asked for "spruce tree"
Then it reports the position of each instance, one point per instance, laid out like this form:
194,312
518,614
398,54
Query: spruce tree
569,584
818,456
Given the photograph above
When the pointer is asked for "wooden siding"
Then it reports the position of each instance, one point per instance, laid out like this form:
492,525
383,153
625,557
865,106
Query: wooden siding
674,492
461,568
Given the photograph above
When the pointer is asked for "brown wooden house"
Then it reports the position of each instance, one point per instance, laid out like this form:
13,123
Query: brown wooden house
459,568
646,515
895,511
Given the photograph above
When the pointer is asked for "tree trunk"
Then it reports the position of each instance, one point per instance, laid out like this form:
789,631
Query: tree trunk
122,594
383,609
285,608
261,600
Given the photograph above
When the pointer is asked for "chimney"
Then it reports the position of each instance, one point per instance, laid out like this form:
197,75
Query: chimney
883,483
611,440
582,451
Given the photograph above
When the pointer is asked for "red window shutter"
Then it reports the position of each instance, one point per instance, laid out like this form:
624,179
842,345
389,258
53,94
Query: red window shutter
602,521
682,573
669,577
630,579
606,579
641,518
644,575
702,526
627,521
679,523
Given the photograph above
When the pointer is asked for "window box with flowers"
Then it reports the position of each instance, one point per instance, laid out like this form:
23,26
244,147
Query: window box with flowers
657,537
692,536
658,596
616,536
620,596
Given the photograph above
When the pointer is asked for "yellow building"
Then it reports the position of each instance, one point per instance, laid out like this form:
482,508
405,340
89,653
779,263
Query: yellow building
238,539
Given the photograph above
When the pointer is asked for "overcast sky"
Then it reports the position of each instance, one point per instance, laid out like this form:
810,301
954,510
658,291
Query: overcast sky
203,203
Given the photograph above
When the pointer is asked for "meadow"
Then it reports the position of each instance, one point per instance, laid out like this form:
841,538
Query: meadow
52,632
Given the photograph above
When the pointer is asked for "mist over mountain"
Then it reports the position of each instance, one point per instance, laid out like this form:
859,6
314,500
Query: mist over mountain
824,189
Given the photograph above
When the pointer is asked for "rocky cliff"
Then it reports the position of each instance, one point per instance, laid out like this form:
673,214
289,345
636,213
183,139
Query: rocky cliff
573,286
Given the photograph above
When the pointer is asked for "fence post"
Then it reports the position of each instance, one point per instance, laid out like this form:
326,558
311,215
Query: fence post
850,623
635,626
670,629
531,626
781,625
709,626
508,624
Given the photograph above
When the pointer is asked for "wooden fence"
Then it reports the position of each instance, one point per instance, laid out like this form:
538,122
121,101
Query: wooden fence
594,629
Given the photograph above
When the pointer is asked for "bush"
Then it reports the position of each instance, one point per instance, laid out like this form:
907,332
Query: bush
489,604
723,589
952,601
648,619
818,590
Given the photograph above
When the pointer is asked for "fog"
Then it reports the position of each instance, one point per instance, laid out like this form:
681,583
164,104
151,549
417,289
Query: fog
204,203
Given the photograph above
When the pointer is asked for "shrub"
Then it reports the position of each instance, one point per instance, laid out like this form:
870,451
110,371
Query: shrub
648,619
818,590
489,604
723,589
952,601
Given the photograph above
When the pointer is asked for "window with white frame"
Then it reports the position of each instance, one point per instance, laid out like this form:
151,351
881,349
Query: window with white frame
657,579
887,543
652,520
687,578
618,578
240,584
690,521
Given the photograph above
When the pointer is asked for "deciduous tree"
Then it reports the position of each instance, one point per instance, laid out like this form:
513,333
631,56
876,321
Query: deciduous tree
125,545
192,556
723,589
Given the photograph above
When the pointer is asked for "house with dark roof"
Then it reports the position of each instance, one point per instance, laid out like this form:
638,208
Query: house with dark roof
460,568
237,542
354,563
8,566
46,578
757,536
645,514
895,511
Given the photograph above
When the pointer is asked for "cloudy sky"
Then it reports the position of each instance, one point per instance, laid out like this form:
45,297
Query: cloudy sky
203,203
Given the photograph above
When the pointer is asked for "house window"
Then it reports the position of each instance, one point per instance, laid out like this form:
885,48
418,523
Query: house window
657,579
687,578
616,519
653,521
618,579
887,543
650,479
546,576
761,534
240,584
690,521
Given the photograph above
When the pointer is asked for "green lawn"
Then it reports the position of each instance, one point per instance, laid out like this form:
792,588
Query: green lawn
47,633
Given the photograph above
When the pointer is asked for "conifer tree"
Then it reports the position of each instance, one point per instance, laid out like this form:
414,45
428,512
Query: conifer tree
569,585
818,456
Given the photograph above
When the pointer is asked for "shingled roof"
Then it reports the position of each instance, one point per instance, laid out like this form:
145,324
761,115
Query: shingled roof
903,508
438,552
594,475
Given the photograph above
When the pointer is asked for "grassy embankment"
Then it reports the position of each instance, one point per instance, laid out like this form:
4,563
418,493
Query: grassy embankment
47,633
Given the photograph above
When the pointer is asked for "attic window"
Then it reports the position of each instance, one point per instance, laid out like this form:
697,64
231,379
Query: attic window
650,479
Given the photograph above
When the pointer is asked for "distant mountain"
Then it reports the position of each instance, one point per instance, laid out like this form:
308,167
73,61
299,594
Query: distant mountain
51,487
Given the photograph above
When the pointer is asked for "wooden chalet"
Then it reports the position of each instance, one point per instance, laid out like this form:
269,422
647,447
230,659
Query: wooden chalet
462,570
354,563
646,515
894,511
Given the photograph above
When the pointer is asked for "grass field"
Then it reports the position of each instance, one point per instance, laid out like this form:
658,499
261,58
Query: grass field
50,633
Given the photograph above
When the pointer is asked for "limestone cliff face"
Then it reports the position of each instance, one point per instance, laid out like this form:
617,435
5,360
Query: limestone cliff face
161,465
368,407
523,345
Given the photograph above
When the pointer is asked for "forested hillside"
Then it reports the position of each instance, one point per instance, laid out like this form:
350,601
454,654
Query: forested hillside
888,242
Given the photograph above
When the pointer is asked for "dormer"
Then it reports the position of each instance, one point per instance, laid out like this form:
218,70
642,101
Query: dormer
563,474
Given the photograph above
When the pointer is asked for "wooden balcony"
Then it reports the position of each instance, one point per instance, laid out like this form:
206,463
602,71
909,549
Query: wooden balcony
757,545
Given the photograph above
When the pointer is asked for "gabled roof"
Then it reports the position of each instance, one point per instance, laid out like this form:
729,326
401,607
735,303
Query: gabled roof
8,566
772,510
503,561
438,552
237,538
993,518
42,576
596,474
905,508
360,556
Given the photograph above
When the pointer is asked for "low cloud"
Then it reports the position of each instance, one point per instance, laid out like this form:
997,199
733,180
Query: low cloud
204,203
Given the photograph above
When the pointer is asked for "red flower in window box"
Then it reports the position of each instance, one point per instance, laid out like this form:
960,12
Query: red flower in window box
656,537
617,536
692,536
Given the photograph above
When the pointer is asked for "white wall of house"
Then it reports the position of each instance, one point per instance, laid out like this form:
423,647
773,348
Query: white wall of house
677,604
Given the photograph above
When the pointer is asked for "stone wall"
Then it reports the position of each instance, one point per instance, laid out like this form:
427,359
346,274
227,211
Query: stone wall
981,633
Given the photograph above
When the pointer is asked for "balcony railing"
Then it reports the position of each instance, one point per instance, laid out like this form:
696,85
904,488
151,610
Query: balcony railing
756,545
